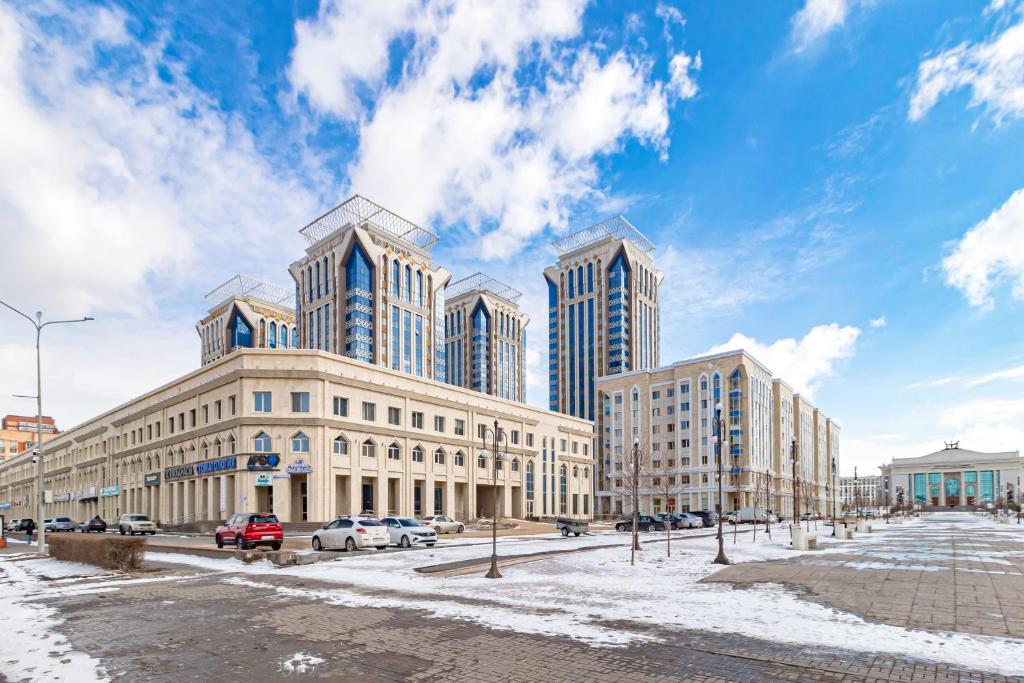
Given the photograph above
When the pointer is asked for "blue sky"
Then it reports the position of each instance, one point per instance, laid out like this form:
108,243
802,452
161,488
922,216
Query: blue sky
830,183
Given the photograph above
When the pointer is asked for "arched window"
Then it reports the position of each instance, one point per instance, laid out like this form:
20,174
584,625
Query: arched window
204,448
439,456
515,465
394,452
419,288
318,291
481,461
579,279
575,472
300,443
369,449
327,277
309,283
586,472
272,336
408,284
295,337
460,459
284,336
262,443
590,277
231,445
396,279
263,333
340,446
417,454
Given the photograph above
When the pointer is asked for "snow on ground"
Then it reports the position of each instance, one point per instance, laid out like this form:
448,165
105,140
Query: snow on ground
577,594
30,647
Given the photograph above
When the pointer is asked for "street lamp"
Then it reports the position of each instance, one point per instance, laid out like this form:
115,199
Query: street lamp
497,439
721,443
796,482
832,500
39,325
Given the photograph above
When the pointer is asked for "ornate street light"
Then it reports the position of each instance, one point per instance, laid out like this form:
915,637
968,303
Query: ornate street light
722,443
498,454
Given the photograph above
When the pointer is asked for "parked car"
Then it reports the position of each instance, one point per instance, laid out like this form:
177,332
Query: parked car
688,520
94,524
643,523
443,524
247,530
14,525
23,524
730,517
62,524
709,518
351,533
404,531
48,524
134,523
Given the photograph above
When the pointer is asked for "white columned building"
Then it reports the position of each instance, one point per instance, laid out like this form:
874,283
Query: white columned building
954,477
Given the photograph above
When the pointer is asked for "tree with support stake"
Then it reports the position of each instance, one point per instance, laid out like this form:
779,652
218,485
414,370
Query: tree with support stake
634,473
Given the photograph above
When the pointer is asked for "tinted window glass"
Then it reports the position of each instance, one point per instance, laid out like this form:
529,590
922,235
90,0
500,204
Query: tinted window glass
139,518
263,519
370,522
345,524
409,522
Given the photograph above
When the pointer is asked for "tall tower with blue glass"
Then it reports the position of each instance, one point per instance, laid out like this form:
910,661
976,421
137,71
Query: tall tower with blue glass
246,312
602,312
368,289
485,337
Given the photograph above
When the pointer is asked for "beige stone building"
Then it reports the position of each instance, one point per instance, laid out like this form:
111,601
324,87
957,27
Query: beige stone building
246,313
309,435
670,411
602,312
954,477
485,337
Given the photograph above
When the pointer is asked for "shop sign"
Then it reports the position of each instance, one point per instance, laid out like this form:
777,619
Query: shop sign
264,479
110,491
180,472
299,467
263,461
4,506
152,479
90,492
228,464
62,498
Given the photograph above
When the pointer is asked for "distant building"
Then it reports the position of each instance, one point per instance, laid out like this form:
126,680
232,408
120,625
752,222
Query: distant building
602,312
246,313
955,476
18,433
862,491
485,337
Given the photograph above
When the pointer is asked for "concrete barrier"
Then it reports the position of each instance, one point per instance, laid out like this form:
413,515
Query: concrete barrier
844,533
863,526
803,540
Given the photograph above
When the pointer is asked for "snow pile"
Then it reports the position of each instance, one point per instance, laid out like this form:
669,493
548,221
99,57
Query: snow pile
30,648
300,663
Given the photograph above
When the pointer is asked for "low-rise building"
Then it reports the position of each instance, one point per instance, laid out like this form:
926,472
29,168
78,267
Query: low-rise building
309,435
954,477
775,438
861,492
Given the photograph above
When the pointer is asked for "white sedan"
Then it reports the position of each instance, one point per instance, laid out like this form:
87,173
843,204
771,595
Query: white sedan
351,534
444,524
405,532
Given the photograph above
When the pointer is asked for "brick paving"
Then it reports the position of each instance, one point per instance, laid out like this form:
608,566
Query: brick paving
936,574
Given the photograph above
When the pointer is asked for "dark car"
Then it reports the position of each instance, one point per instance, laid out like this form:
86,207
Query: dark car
643,523
709,518
23,524
248,530
95,524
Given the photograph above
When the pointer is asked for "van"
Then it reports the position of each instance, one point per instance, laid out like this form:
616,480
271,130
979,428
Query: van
751,515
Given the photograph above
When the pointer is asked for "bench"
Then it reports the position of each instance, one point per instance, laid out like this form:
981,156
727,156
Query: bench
844,533
803,540
863,526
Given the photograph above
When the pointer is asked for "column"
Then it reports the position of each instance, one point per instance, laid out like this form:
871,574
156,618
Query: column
213,499
355,490
449,497
380,495
428,487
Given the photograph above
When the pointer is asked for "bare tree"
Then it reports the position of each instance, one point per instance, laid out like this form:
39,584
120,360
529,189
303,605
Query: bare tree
664,484
758,480
633,466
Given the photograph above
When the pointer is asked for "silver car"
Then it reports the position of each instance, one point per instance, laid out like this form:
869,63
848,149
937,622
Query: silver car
351,533
62,524
444,524
404,532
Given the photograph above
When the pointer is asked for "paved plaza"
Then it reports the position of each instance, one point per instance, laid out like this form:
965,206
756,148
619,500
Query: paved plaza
217,620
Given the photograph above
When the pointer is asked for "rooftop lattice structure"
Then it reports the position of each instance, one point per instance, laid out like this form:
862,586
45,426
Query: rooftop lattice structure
482,283
617,227
244,285
357,210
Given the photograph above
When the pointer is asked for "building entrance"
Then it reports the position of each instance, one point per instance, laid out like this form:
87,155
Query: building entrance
952,492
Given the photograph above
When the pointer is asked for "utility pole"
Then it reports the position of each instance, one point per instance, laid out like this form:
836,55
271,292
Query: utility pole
38,323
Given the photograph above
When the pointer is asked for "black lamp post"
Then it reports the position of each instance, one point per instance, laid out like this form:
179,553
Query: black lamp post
497,438
796,483
832,500
721,443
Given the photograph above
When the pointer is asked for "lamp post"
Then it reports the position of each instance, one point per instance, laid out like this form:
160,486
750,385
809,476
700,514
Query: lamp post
38,323
497,438
832,500
796,483
721,442
635,486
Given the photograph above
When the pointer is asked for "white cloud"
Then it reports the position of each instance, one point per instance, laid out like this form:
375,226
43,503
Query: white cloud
801,363
995,424
928,384
1016,372
497,116
682,82
124,192
989,254
816,19
992,70
880,321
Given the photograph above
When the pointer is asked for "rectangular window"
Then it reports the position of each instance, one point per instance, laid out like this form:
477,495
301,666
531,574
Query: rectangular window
481,431
514,436
300,401
206,415
170,425
417,420
157,430
216,411
529,440
460,427
394,416
181,422
261,402
231,406
340,406
369,411
438,423
192,418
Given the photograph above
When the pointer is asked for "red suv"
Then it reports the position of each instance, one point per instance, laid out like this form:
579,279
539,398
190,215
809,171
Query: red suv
248,530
